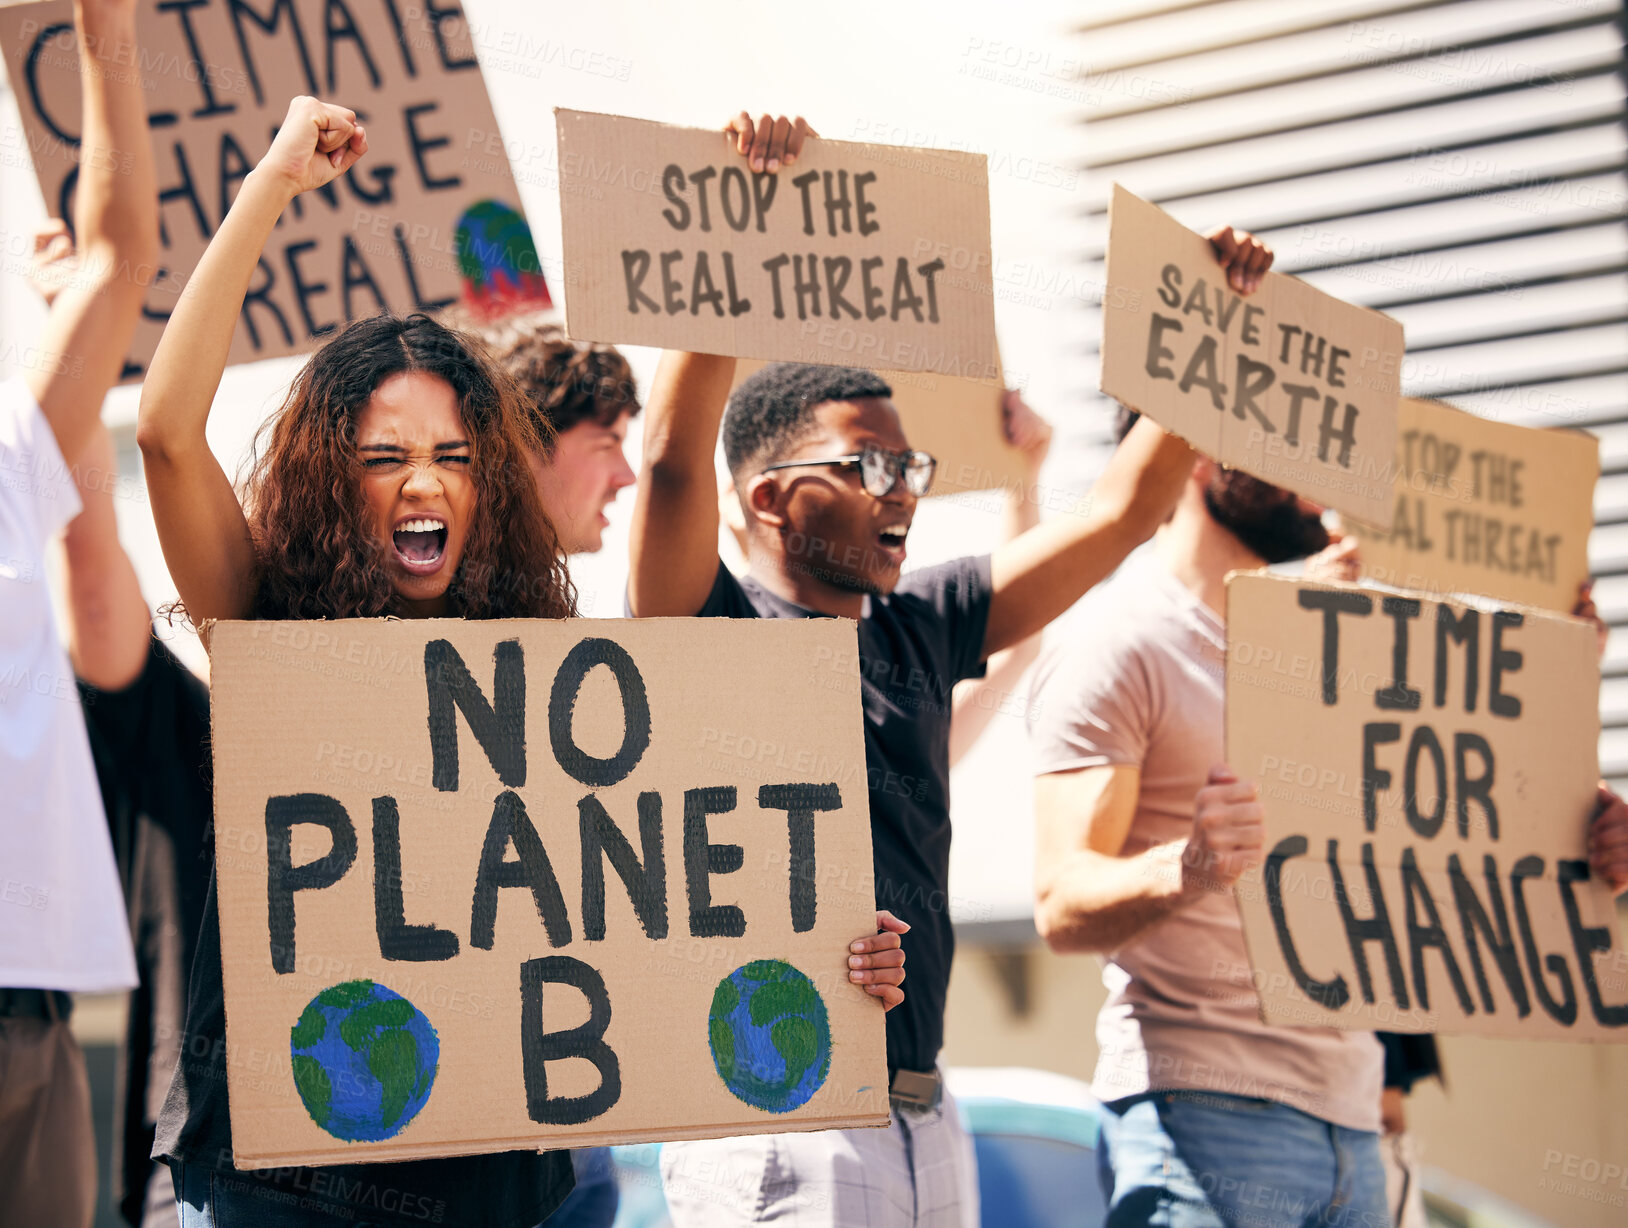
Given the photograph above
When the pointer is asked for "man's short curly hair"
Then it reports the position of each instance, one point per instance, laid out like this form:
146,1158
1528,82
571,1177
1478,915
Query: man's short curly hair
565,381
769,413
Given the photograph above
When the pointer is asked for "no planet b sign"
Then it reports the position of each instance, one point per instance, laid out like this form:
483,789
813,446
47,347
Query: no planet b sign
488,886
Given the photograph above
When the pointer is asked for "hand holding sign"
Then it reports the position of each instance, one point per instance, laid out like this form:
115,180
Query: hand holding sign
877,963
1243,256
769,144
317,143
778,246
1608,840
1291,386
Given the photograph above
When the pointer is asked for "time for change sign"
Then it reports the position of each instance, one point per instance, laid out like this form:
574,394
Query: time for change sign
496,885
1289,384
1428,771
857,255
431,216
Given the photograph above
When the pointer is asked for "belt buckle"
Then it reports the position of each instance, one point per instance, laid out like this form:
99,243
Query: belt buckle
916,1089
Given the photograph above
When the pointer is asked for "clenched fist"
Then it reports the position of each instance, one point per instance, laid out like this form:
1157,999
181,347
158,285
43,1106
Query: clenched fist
1229,833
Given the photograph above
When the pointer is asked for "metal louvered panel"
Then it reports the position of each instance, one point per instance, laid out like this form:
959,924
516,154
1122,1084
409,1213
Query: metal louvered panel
1459,164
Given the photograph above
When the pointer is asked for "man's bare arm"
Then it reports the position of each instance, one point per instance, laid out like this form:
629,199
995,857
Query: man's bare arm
673,547
1090,895
108,621
92,320
1049,568
673,544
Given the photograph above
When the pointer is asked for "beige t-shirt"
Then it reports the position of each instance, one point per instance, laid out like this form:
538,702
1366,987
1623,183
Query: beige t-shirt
1137,678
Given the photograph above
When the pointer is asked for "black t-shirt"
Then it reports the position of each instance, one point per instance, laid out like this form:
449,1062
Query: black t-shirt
512,1189
914,646
150,743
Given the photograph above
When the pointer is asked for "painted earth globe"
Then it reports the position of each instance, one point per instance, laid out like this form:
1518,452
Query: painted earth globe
364,1060
770,1036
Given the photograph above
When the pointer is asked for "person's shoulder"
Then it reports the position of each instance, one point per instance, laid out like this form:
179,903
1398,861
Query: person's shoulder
734,596
941,584
1122,625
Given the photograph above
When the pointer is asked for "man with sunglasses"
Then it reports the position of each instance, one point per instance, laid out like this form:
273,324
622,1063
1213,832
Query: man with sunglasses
828,484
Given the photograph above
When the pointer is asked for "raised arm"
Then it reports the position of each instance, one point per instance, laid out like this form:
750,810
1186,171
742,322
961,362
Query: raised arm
1049,568
87,333
108,620
1092,896
201,525
673,546
976,700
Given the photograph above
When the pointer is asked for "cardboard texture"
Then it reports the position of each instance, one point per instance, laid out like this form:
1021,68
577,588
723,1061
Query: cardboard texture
1289,384
429,216
1485,507
957,420
857,255
416,810
1428,771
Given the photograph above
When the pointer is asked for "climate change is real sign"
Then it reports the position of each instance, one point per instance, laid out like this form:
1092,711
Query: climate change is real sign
431,216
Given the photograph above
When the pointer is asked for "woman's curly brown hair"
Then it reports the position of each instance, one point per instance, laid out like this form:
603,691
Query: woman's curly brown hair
316,553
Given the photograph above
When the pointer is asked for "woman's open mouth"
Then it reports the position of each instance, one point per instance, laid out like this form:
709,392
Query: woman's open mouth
420,544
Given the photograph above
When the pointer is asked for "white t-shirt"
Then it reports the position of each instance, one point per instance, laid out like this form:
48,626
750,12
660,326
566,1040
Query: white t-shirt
62,918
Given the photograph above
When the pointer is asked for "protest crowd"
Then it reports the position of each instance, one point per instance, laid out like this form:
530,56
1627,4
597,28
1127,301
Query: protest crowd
448,465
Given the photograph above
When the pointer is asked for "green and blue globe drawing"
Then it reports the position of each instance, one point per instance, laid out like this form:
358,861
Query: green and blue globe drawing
497,260
364,1060
770,1036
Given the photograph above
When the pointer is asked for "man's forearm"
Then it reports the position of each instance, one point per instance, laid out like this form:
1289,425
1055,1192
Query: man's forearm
686,406
673,546
1097,903
94,317
1049,568
1143,479
116,201
108,622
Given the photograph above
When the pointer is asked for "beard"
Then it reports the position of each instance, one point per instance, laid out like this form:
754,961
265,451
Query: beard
1265,518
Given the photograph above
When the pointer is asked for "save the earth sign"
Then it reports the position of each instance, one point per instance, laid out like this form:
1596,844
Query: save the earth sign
486,886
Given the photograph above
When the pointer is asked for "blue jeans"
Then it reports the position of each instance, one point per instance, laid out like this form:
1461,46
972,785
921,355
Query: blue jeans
1204,1160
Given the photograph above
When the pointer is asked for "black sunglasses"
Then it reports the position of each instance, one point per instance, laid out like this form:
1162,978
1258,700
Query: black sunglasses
879,470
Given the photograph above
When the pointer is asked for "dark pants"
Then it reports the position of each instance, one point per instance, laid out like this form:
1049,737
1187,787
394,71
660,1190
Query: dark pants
47,1141
210,1198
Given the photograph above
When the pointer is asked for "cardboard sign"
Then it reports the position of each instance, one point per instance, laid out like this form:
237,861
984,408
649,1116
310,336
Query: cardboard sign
1289,384
498,885
1485,507
958,421
1428,771
857,255
429,216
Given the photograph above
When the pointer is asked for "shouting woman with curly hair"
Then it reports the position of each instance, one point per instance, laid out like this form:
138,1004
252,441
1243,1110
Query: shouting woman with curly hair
395,480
